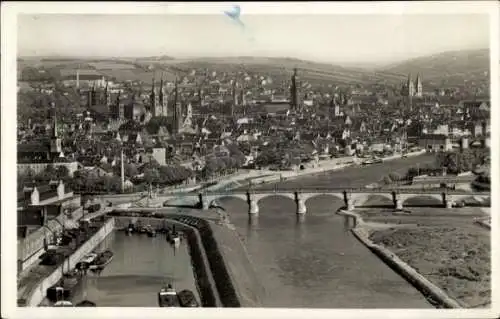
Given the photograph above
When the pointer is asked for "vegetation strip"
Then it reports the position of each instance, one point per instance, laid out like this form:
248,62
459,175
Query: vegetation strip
410,274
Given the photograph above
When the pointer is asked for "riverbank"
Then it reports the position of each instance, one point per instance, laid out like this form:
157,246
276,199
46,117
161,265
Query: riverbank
33,284
445,256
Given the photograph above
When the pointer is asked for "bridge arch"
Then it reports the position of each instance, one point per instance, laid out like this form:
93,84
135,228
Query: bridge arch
309,196
421,199
212,200
376,199
259,197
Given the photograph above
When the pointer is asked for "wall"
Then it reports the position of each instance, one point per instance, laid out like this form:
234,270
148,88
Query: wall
39,292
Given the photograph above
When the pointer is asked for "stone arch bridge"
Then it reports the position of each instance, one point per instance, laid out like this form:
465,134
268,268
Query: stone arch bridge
352,197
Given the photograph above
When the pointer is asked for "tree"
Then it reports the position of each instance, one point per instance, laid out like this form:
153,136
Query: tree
394,177
151,175
62,173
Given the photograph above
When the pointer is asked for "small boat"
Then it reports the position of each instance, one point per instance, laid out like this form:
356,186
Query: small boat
86,261
102,260
187,299
130,229
63,303
167,297
56,293
86,303
173,237
151,233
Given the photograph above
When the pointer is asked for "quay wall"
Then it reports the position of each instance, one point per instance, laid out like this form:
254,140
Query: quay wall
39,292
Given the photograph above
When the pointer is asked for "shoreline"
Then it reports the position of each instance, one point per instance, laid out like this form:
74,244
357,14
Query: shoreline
362,231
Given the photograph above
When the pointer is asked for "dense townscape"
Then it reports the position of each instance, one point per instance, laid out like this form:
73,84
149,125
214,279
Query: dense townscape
74,124
91,128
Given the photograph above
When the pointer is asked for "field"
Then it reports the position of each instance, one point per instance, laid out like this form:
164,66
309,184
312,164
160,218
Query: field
111,65
449,67
443,245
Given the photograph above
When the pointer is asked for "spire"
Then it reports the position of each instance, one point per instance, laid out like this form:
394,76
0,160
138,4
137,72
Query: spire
54,129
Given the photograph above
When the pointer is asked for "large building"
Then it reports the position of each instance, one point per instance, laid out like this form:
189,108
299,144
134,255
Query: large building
38,156
294,92
158,101
411,88
435,142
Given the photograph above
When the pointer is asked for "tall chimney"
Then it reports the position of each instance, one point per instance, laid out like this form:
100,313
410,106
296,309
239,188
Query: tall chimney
122,173
77,78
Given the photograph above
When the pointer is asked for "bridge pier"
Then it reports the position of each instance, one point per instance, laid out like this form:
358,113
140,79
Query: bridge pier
449,203
301,205
398,204
350,204
203,201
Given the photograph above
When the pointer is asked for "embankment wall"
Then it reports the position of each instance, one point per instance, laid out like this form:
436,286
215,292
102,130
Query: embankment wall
39,292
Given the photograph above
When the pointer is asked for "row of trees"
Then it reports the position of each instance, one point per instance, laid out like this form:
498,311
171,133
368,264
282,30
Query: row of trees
452,162
459,162
164,175
217,164
50,173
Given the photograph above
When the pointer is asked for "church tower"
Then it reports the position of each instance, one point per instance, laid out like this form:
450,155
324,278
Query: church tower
419,92
294,91
234,96
152,99
55,141
162,107
177,116
410,85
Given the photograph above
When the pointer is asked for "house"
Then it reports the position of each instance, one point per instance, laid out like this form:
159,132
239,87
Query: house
435,142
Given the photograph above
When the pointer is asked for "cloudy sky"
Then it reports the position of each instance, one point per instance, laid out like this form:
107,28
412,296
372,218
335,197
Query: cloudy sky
327,38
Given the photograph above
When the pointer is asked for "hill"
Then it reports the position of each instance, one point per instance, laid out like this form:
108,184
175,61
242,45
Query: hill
444,66
448,67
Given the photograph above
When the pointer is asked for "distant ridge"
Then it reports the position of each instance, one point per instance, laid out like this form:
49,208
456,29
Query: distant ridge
443,64
452,66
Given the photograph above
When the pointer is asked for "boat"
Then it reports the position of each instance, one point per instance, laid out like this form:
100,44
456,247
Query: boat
367,162
86,261
143,230
86,303
150,231
63,303
173,237
102,260
130,229
187,299
56,293
167,297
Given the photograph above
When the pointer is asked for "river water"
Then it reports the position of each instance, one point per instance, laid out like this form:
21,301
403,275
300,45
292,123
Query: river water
317,263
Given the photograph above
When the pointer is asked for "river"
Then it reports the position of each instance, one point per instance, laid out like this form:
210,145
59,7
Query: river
318,263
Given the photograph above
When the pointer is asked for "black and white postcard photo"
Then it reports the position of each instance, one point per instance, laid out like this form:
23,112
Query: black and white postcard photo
329,160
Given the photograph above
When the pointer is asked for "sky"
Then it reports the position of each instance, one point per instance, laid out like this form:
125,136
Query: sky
323,38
